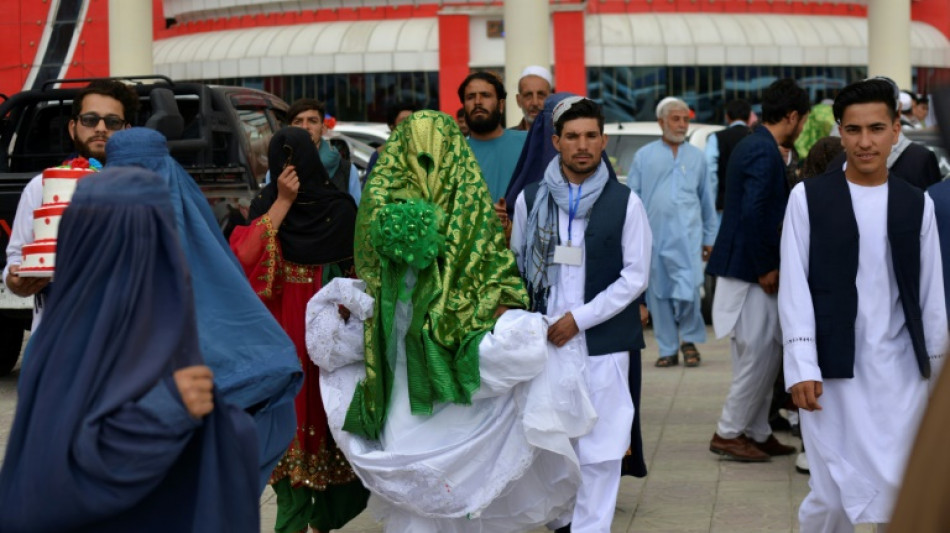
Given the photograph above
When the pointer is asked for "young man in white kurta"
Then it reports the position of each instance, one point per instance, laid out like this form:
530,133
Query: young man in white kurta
600,452
859,434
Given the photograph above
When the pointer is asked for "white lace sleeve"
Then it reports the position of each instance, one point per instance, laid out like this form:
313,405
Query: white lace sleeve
331,342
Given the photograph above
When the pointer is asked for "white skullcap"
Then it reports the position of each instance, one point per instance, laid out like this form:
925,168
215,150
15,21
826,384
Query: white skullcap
541,72
667,101
563,106
905,101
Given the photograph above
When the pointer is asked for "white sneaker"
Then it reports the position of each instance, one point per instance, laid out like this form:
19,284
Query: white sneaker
801,463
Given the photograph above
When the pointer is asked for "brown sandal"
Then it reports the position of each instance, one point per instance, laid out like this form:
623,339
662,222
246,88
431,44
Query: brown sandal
690,354
665,361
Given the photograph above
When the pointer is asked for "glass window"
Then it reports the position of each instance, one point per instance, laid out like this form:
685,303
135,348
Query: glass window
258,131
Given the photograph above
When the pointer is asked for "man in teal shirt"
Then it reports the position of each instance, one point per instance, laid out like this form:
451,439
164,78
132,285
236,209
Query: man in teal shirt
497,150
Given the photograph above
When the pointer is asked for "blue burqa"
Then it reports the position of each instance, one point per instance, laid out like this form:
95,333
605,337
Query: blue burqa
538,151
255,364
101,441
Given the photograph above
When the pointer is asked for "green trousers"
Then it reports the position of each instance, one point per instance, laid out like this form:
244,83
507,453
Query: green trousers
323,510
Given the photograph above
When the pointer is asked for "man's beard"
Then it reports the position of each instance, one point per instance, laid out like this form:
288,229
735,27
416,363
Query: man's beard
83,149
482,125
674,138
581,171
529,118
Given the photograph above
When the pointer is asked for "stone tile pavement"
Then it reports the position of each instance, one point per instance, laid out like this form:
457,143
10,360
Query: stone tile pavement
688,489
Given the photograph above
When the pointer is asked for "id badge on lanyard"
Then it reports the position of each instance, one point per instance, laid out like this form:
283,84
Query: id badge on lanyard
570,255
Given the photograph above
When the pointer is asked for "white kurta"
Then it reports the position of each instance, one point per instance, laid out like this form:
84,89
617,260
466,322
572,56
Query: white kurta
22,233
608,384
859,441
601,450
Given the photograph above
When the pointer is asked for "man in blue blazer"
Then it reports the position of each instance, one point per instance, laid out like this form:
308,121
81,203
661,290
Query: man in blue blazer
746,260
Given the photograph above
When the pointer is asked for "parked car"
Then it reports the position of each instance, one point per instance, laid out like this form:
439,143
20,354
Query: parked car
623,141
932,141
357,151
374,134
218,134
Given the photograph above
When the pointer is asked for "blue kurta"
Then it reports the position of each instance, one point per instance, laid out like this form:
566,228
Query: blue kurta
679,201
497,159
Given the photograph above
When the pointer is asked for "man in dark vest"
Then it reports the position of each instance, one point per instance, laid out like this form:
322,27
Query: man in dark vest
745,259
863,318
719,146
583,245
309,114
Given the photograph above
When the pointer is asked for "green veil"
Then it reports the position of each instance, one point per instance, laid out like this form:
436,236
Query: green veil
426,208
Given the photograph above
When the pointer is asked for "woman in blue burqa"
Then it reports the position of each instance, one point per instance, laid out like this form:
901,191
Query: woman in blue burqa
116,427
255,365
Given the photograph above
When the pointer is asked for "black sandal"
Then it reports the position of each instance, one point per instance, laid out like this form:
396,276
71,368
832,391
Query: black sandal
690,354
665,361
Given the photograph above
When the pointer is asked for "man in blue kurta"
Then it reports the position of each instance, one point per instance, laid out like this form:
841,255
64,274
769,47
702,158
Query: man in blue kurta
497,150
670,176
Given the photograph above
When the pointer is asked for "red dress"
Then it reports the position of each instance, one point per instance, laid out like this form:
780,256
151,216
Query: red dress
313,460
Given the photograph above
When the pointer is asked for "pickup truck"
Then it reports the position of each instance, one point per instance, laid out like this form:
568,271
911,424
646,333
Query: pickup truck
219,134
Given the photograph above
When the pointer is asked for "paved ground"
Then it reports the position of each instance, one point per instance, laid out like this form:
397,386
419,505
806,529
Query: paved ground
688,489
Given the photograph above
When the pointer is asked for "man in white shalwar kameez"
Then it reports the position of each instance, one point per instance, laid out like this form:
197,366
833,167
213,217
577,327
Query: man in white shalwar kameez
583,243
670,176
745,259
860,254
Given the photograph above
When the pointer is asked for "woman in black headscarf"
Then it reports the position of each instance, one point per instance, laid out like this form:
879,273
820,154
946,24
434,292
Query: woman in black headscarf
300,236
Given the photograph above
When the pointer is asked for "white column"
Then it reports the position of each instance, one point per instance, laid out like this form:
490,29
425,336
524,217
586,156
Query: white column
527,42
130,38
889,40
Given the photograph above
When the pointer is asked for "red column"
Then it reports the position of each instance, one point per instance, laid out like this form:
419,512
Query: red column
453,60
570,67
933,12
91,56
21,30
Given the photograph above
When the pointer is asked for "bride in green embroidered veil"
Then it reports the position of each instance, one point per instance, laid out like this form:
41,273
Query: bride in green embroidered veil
442,392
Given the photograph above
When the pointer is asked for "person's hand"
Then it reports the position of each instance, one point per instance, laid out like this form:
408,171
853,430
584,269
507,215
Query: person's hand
707,251
644,315
288,184
563,330
24,286
500,310
769,282
501,209
195,384
344,312
805,395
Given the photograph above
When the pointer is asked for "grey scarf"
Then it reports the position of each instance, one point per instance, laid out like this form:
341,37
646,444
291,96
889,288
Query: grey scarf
541,233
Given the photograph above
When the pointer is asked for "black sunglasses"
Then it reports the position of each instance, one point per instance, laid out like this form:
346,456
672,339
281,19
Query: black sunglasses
91,120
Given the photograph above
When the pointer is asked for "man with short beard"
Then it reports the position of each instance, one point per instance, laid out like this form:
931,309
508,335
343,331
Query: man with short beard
670,176
534,87
582,241
745,258
100,109
496,149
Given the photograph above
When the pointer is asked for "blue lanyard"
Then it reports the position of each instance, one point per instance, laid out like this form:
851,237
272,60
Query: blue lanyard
572,206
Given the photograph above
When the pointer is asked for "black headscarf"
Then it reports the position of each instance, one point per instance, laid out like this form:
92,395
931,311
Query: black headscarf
319,227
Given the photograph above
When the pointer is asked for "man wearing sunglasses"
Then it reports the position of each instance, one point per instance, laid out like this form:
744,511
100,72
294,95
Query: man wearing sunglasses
100,109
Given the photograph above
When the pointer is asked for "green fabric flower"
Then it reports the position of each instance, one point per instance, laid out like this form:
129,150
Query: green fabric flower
408,232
